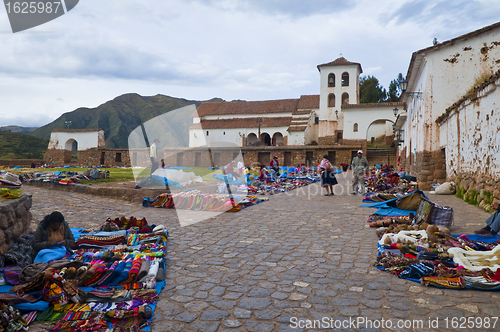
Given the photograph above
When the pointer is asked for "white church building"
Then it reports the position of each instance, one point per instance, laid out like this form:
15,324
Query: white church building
333,117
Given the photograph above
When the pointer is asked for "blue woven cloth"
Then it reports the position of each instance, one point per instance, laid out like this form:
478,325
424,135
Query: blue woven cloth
47,255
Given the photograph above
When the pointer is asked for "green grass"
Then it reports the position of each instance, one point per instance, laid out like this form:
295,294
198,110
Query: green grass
460,191
123,174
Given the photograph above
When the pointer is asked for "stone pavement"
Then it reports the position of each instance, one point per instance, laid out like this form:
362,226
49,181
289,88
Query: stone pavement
300,255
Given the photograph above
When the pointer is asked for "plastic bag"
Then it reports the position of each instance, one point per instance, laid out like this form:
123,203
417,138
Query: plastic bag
10,192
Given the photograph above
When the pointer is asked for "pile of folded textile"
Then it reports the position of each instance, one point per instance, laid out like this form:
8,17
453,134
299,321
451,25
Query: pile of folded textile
197,201
10,186
428,254
105,288
286,184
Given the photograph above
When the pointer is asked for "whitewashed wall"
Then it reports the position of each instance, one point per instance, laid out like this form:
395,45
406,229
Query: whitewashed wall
365,117
473,135
85,140
447,73
328,113
199,137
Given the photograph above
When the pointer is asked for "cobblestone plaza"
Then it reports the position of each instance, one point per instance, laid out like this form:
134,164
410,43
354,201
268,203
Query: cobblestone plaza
298,259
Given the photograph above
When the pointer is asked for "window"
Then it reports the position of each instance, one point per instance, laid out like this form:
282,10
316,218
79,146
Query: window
355,128
224,133
207,132
331,100
331,80
345,98
118,157
345,79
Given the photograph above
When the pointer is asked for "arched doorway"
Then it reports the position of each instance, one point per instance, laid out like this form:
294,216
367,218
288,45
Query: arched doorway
251,139
380,132
71,151
265,138
278,139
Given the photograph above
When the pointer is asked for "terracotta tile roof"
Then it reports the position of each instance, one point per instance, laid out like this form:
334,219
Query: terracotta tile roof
247,107
308,102
297,128
340,62
302,112
300,118
242,123
299,123
374,105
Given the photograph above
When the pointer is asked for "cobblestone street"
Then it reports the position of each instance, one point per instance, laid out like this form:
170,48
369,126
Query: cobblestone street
300,255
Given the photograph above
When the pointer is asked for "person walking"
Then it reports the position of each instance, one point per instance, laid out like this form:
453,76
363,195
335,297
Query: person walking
328,179
153,155
359,166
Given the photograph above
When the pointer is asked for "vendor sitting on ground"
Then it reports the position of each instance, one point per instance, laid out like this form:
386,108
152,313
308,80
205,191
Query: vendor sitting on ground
492,223
52,230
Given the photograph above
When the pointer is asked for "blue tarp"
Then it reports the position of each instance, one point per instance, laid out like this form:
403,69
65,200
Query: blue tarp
385,209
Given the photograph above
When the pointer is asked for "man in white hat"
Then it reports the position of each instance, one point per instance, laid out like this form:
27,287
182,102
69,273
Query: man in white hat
359,169
153,155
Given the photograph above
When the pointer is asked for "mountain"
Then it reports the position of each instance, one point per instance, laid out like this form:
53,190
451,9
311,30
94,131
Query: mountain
21,146
118,117
18,129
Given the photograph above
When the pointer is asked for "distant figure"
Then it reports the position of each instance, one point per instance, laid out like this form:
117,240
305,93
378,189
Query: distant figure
275,165
359,169
263,176
240,167
153,154
162,163
328,179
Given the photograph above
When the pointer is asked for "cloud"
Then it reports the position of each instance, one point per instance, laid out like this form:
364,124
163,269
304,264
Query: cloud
292,8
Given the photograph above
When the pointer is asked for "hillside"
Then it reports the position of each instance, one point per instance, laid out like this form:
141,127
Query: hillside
118,117
21,146
18,129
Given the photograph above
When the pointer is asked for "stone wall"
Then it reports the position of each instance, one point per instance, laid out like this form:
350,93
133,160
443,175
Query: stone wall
15,220
89,157
57,157
428,167
108,157
134,195
477,189
382,156
21,162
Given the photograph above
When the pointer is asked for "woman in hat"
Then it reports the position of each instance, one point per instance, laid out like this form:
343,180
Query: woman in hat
328,179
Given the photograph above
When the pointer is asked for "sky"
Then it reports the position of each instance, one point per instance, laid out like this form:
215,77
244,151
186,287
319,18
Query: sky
201,49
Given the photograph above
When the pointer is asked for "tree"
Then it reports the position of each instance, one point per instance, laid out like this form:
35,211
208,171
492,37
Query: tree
394,93
370,91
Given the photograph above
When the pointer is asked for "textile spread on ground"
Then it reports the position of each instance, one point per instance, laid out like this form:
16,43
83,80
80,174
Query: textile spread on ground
413,246
111,282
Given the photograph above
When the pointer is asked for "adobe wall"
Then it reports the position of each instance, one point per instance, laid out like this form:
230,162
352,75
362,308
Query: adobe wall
21,162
